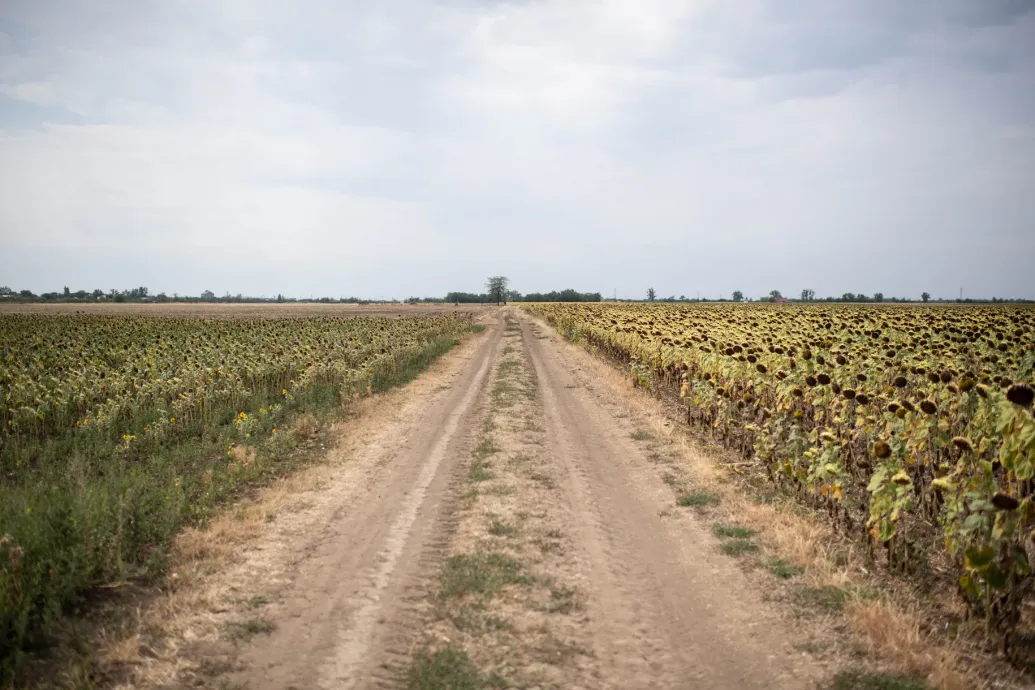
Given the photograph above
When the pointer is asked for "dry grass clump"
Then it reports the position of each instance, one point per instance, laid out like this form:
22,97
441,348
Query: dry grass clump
894,635
305,427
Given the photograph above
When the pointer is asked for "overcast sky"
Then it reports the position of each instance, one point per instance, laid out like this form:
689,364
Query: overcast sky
398,148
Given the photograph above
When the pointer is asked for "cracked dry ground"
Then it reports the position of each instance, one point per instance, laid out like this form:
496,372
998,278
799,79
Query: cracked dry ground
501,526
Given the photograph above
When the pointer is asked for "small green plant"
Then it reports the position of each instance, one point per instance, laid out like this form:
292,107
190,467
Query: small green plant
823,599
739,547
479,471
861,680
481,574
485,448
444,669
498,528
507,366
640,435
471,618
732,532
697,499
783,569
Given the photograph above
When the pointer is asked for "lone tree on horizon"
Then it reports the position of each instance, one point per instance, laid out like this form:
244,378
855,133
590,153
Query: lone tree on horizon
497,286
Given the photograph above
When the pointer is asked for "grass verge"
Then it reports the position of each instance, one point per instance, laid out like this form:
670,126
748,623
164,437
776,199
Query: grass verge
859,680
447,668
697,499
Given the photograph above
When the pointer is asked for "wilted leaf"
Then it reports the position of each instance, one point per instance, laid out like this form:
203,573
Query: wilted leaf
978,557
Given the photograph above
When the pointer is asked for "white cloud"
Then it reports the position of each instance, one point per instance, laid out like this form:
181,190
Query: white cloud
413,147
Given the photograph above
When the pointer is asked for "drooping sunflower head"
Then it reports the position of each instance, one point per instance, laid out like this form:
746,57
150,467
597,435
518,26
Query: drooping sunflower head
1020,394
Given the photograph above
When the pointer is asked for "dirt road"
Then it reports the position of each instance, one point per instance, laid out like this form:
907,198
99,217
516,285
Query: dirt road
505,523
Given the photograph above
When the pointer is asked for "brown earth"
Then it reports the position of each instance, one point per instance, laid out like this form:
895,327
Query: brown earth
506,452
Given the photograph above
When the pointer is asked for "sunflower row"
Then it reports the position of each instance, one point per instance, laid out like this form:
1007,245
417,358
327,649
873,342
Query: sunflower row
59,373
912,426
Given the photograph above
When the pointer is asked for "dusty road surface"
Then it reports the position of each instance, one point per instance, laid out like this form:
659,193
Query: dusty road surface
503,525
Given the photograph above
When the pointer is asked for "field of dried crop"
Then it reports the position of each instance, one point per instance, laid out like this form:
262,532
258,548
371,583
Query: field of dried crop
115,430
235,310
911,426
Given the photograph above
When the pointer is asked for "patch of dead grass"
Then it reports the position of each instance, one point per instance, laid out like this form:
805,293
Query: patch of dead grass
894,634
304,427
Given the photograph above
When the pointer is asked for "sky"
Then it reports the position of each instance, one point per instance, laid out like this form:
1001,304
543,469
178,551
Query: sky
413,147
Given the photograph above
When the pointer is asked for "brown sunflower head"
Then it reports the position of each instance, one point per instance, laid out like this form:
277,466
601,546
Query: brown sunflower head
1020,394
1005,501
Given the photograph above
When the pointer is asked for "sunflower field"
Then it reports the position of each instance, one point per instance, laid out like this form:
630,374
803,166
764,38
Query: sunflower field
911,425
115,430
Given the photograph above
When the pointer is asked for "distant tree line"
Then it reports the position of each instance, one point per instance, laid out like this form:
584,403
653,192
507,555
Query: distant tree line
809,295
142,294
499,293
515,296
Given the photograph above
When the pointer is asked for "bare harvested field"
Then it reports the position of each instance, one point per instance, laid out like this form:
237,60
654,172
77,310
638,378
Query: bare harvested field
236,310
